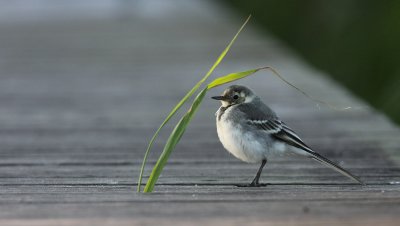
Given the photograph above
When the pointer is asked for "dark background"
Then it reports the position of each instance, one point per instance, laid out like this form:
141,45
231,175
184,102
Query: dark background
357,42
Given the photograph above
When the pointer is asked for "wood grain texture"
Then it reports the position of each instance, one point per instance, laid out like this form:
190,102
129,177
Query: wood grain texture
80,98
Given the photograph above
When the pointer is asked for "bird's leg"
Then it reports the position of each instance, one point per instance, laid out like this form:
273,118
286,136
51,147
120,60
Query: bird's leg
255,182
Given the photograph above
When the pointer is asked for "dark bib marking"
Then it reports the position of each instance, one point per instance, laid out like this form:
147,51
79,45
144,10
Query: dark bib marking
222,111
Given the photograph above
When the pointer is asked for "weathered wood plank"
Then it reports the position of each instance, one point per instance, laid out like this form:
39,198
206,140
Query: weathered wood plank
120,194
224,212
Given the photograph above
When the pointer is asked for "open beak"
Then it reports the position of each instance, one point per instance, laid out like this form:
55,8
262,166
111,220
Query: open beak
219,98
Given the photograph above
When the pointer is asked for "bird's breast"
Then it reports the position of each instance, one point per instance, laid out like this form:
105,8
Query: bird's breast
239,142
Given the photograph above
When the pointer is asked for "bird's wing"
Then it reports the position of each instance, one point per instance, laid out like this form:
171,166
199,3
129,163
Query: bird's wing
261,117
281,131
271,124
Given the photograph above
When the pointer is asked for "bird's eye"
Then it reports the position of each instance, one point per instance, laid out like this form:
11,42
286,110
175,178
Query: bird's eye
235,97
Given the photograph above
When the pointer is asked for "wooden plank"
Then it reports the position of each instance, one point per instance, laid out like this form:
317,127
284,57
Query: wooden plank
317,212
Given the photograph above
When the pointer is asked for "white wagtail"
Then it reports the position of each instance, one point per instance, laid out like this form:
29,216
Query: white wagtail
252,132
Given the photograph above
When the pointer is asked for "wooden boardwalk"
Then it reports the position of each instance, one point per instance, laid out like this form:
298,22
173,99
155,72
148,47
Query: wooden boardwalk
80,98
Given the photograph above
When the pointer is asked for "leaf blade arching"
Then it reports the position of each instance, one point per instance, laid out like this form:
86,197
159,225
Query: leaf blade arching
239,75
173,140
184,99
231,77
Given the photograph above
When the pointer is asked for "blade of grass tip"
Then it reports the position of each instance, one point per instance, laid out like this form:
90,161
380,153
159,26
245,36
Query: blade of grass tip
172,141
223,54
239,75
185,98
303,92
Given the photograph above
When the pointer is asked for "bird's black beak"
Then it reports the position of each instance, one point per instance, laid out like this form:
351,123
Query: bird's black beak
219,98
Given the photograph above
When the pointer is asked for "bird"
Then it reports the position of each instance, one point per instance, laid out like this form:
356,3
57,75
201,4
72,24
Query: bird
252,132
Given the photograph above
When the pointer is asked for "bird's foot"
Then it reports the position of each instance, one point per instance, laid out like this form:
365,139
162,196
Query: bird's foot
251,185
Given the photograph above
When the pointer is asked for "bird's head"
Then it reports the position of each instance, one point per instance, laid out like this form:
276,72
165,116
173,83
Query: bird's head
235,94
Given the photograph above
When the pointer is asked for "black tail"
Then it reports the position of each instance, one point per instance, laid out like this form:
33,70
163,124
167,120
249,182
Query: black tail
334,166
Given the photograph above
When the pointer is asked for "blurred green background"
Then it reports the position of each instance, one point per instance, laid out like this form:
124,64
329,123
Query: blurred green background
355,41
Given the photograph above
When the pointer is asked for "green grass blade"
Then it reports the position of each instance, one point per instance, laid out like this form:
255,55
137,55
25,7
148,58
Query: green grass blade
184,99
173,141
231,77
173,111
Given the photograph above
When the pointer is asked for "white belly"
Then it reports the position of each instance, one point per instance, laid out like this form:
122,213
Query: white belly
242,145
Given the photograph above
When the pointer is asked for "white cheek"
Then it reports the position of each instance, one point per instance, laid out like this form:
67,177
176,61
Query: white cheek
248,99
